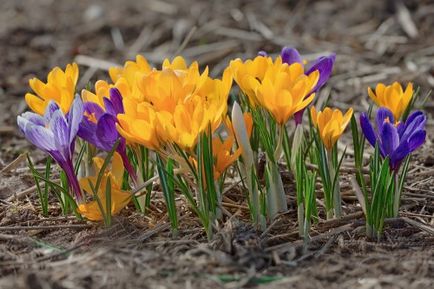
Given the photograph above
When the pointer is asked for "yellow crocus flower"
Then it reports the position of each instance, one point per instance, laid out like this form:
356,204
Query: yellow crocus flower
119,198
392,97
125,78
331,124
60,87
244,71
280,88
130,70
180,101
138,123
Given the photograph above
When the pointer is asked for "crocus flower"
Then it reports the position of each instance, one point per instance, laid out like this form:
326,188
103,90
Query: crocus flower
55,134
395,140
119,198
280,88
99,124
392,97
323,64
331,124
175,107
130,71
60,88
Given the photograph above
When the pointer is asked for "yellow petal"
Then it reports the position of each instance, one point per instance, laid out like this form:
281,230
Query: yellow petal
35,103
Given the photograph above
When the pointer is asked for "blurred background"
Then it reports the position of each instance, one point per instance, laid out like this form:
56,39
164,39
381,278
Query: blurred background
375,41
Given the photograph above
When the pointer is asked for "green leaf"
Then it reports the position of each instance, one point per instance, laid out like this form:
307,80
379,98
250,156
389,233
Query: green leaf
108,198
167,193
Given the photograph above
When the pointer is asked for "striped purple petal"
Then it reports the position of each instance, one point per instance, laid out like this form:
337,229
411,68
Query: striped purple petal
34,118
40,136
75,117
59,126
50,109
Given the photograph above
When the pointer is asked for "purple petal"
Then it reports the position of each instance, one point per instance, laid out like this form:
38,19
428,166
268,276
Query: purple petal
400,127
367,129
106,130
416,122
116,99
109,108
290,55
93,108
34,118
389,138
75,117
324,65
399,154
416,140
40,136
262,53
298,116
50,109
414,115
87,131
60,129
382,114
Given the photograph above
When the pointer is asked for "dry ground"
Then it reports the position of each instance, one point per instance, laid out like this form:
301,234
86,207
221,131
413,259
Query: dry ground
374,40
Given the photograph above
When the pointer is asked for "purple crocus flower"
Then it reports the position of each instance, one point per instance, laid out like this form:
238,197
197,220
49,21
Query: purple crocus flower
99,128
55,134
395,141
323,64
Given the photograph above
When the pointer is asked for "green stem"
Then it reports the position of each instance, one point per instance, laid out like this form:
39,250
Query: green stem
336,194
397,196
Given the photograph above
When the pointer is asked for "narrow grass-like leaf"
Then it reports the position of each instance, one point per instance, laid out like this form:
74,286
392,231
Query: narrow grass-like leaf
38,186
108,205
167,193
79,159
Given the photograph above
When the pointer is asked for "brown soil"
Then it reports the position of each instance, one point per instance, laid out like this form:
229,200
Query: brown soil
374,41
